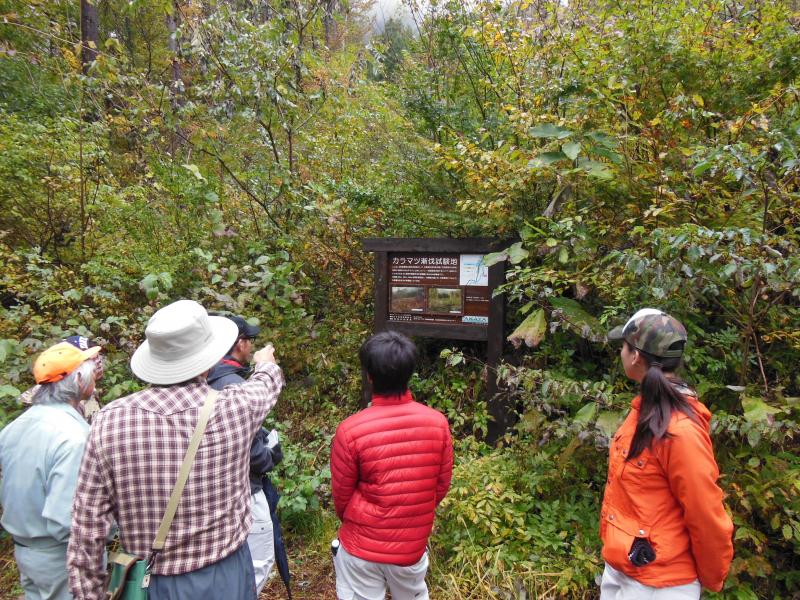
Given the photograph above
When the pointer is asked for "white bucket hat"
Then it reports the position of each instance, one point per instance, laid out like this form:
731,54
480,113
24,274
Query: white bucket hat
182,342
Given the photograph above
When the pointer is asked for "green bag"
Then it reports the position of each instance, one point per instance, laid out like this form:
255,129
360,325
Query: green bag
129,577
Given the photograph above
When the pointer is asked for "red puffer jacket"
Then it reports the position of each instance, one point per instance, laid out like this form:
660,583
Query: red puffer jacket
391,465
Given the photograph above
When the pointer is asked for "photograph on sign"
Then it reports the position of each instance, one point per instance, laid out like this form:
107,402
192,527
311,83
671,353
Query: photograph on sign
444,300
408,299
472,270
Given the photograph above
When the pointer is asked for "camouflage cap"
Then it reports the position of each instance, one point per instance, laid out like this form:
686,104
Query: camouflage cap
654,332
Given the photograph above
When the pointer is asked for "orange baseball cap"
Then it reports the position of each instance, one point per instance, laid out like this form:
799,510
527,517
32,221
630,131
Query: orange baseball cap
60,360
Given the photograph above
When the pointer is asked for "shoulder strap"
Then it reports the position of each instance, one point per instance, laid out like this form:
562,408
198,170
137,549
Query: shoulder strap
183,474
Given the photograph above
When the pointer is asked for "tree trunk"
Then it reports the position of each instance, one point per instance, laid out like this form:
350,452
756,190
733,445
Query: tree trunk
330,24
90,36
176,89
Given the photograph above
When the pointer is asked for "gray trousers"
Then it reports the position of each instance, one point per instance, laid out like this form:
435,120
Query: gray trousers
43,572
231,578
358,579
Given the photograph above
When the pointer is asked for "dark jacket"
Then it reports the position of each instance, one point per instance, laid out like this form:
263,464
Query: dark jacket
262,458
228,371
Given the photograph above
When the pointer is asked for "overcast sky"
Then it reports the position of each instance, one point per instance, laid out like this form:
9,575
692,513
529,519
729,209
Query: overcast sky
383,10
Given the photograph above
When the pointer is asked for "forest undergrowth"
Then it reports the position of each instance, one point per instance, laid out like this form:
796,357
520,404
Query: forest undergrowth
236,152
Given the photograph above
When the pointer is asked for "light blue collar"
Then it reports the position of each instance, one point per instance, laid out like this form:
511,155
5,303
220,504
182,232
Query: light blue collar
65,408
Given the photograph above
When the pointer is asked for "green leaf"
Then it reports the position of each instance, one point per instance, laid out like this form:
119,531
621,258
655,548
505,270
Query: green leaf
194,170
516,253
548,130
612,156
5,346
494,258
166,280
586,413
603,139
575,315
753,437
456,358
756,410
148,282
787,532
702,167
597,169
545,159
531,330
571,149
729,269
9,390
608,422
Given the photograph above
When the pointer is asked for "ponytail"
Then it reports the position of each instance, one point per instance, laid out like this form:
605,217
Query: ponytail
660,398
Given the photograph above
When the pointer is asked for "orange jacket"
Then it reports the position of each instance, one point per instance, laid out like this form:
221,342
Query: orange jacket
669,495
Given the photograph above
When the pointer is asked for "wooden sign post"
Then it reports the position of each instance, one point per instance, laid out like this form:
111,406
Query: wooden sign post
439,287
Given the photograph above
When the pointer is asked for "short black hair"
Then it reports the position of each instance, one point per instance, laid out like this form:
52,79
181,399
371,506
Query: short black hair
389,359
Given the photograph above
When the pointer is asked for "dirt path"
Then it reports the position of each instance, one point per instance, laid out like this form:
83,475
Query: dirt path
312,576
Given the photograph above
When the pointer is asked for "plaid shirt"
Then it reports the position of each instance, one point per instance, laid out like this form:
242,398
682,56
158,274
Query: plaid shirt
134,452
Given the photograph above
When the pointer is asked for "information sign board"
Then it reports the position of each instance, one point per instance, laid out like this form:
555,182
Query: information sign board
428,287
442,288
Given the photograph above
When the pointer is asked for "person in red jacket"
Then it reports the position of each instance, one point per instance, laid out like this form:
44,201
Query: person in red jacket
391,466
663,524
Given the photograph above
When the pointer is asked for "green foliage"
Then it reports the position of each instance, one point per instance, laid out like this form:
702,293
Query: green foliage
302,478
641,155
459,395
520,511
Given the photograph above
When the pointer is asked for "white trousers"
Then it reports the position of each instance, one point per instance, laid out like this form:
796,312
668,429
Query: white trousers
618,586
358,579
260,540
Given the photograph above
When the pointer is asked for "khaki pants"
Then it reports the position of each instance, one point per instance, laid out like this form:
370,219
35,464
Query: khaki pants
618,586
358,579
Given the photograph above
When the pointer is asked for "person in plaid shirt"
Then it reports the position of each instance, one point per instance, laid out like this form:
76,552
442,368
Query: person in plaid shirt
134,452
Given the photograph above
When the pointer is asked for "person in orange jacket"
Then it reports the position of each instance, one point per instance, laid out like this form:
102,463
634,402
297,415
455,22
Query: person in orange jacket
663,524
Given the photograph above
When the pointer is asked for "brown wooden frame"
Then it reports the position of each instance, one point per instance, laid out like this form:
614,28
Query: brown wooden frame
493,333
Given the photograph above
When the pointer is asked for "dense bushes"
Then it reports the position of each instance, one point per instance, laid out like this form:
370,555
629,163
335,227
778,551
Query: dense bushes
646,157
642,155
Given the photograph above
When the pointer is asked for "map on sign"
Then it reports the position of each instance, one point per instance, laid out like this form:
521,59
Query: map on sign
438,288
472,270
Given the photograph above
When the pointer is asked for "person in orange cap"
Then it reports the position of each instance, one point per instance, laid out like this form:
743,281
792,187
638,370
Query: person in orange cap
665,531
40,453
89,407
